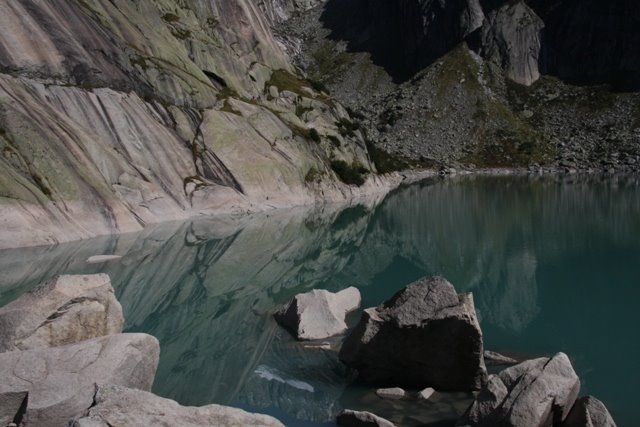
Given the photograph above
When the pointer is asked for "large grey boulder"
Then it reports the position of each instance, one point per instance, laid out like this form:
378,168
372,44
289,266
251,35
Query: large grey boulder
65,310
589,412
61,380
538,392
318,314
122,406
425,335
352,418
511,37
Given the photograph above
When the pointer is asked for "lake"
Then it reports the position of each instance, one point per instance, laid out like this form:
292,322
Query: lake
553,263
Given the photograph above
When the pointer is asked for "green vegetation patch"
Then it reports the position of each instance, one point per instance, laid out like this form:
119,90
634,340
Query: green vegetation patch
347,128
312,176
170,17
349,174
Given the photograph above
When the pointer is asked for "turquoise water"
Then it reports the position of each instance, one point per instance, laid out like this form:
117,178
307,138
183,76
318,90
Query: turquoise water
553,263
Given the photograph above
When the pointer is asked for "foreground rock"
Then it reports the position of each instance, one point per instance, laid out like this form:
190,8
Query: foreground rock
12,405
589,412
65,310
425,335
318,314
538,392
61,380
361,419
121,406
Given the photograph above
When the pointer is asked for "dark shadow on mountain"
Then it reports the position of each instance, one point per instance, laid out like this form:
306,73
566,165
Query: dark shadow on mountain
395,33
584,42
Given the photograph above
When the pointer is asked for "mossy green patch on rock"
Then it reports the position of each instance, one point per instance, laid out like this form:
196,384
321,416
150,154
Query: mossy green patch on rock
349,174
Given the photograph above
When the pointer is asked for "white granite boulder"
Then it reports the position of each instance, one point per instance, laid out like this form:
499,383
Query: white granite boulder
352,418
64,310
318,314
589,412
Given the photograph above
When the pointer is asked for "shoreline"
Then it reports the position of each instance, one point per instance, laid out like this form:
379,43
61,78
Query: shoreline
378,186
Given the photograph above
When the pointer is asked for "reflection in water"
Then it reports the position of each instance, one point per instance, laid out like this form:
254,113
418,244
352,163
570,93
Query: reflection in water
547,259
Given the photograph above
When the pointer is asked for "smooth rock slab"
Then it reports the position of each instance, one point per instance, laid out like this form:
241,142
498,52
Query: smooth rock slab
589,412
318,314
538,392
64,310
61,380
120,406
425,335
361,419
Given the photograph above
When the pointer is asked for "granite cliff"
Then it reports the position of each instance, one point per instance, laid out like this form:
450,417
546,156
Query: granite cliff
117,114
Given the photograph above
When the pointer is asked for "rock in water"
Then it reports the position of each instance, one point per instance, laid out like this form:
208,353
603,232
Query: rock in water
61,380
589,412
538,392
65,310
318,314
361,419
96,259
121,406
425,335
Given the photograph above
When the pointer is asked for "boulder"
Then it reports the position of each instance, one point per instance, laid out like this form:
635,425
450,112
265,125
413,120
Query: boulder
12,405
538,392
61,380
589,412
64,310
425,394
425,335
361,419
318,314
391,393
122,406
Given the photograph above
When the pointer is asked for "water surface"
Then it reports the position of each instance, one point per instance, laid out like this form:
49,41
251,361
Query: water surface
554,265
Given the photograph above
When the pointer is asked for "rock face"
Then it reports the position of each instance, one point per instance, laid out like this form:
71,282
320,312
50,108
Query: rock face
318,314
589,412
361,419
125,114
538,392
61,380
121,406
511,38
425,335
65,310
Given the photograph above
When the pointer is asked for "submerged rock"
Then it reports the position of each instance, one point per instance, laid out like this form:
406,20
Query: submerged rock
495,358
65,310
61,380
121,406
589,412
391,393
318,314
425,335
538,392
96,259
361,419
